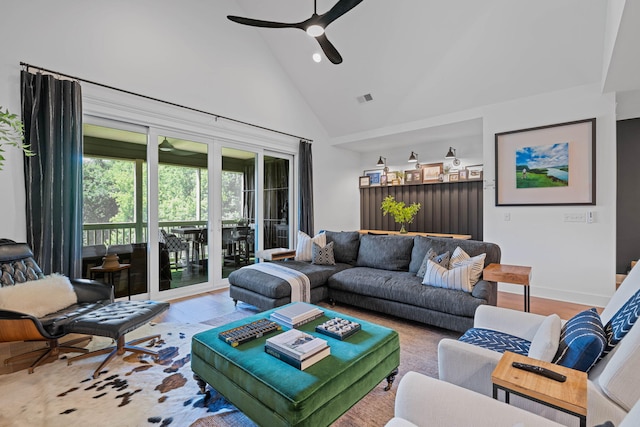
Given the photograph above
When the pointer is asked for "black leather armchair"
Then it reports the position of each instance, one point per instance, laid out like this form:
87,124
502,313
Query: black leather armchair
18,266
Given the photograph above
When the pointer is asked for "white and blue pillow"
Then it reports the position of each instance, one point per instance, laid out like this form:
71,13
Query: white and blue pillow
621,322
442,260
582,341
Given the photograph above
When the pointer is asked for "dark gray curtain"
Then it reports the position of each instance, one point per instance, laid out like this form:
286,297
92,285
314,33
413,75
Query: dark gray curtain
305,215
52,115
249,207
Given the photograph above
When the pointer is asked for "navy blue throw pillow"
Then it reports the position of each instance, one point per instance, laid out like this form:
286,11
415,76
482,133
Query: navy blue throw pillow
582,341
621,322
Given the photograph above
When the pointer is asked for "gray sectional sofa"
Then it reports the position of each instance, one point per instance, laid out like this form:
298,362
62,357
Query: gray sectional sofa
378,272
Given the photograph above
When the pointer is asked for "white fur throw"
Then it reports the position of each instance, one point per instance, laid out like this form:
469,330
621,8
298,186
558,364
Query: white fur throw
39,297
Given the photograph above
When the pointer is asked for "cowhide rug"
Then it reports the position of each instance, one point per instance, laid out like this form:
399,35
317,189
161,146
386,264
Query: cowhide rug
133,390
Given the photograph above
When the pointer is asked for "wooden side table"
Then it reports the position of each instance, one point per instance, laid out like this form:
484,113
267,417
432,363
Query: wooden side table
569,396
276,254
108,273
515,274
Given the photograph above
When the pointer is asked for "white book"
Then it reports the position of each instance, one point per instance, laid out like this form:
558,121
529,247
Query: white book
296,343
297,312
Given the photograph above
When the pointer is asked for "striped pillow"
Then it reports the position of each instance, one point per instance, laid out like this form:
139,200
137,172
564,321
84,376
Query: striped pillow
304,249
460,257
458,278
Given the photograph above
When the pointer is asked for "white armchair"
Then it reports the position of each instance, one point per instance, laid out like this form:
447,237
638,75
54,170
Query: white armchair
423,401
612,385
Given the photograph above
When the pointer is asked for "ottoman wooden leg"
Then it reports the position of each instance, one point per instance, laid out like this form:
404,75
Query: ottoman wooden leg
390,379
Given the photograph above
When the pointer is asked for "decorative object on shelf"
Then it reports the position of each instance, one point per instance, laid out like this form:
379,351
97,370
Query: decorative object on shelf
453,177
462,175
413,158
374,175
110,261
394,177
431,172
547,165
474,172
365,181
399,211
12,133
451,155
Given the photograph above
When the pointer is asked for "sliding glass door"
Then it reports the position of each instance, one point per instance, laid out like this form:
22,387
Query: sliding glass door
277,178
183,212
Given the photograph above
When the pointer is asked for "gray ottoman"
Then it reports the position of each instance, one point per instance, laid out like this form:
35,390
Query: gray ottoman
114,321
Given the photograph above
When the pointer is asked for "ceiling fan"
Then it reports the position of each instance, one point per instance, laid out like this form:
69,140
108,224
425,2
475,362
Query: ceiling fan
314,26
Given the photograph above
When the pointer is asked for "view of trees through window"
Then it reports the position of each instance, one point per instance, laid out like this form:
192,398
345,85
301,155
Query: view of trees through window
109,192
232,184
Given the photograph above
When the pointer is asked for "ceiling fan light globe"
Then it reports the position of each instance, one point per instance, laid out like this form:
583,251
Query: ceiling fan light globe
317,57
315,30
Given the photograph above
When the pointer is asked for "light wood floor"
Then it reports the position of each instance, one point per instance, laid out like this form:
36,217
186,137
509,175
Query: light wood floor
218,303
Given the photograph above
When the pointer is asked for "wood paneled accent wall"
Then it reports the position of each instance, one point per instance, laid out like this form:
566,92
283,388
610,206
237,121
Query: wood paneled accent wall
454,207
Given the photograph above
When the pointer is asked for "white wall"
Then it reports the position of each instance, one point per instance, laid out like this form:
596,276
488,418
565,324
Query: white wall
189,55
571,261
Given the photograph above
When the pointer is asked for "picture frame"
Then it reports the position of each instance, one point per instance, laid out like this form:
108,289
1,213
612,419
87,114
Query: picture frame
547,165
374,177
462,175
474,172
365,181
431,172
383,179
410,177
453,177
417,175
394,177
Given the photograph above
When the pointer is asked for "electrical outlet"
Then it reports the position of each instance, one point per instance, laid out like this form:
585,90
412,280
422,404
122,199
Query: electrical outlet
591,217
575,217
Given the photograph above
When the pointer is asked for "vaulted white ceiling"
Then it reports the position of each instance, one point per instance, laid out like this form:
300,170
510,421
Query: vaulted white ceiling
427,58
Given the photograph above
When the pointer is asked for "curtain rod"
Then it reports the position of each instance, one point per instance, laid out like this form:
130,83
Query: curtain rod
217,116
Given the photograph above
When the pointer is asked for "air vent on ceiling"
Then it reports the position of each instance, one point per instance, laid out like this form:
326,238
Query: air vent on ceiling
365,98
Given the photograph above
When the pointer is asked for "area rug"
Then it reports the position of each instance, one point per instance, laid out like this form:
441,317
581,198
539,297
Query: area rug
133,390
137,391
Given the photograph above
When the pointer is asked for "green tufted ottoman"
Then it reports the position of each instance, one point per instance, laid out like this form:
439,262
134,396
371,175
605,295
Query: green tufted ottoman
273,393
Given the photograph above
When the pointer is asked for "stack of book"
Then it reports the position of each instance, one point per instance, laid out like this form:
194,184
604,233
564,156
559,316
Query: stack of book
296,314
297,348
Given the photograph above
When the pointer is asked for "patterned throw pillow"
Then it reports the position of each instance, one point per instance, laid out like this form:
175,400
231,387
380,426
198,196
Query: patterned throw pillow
323,255
303,250
582,341
442,259
460,257
621,322
458,278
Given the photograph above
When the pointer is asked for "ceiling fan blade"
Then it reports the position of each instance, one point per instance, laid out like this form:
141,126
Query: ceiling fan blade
260,23
329,49
339,9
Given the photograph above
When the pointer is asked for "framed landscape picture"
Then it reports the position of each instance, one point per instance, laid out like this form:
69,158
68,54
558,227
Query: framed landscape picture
431,172
474,172
365,181
547,165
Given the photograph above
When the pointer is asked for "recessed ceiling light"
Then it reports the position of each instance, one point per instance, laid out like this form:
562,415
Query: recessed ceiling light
317,57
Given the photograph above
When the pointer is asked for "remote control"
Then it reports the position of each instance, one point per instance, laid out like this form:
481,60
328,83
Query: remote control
540,371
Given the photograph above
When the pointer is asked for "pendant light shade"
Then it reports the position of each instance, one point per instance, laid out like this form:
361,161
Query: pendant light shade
451,154
165,146
413,158
382,161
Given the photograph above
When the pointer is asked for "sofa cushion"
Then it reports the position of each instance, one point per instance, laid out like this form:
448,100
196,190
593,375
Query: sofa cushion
620,377
460,257
322,255
544,344
421,245
304,249
39,297
385,252
442,260
496,341
582,341
345,245
621,322
458,278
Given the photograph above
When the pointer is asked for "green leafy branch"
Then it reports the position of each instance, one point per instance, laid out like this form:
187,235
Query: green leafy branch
12,133
398,210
